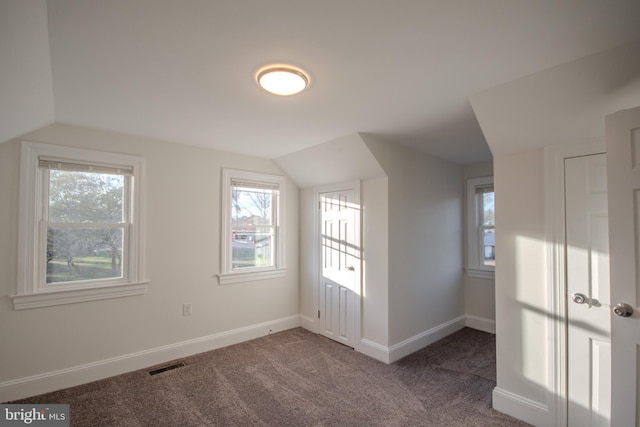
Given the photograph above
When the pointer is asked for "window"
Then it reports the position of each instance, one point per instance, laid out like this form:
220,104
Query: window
481,242
80,234
252,230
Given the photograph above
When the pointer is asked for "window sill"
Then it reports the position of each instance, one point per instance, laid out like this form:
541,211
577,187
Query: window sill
481,274
230,278
71,296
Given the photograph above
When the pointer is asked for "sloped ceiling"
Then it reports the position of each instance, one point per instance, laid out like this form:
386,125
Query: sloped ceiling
183,71
26,83
341,160
560,105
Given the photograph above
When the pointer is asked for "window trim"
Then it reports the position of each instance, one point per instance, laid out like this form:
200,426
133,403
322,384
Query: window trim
28,292
473,265
227,274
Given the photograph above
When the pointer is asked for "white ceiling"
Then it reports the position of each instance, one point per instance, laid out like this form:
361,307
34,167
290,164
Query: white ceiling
401,70
566,104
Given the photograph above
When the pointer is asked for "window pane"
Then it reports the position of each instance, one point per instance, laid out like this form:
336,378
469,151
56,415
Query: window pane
252,227
251,205
85,197
489,246
83,254
488,209
254,249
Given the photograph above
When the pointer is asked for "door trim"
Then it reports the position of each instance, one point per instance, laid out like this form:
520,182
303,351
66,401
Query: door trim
317,255
554,157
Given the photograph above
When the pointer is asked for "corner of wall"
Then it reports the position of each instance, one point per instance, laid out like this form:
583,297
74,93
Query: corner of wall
519,407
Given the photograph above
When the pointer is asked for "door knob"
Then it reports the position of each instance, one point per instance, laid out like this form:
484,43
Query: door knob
579,298
623,310
351,268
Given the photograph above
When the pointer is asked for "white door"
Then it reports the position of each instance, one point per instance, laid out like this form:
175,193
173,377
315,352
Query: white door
623,166
340,270
588,307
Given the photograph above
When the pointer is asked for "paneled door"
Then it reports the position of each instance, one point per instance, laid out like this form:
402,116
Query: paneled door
588,305
623,169
339,282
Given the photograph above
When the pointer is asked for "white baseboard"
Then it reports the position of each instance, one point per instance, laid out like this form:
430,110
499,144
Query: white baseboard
309,323
481,324
76,375
415,343
410,345
374,350
519,407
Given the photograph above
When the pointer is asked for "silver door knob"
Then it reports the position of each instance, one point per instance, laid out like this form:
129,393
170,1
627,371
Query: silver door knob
623,310
351,268
579,298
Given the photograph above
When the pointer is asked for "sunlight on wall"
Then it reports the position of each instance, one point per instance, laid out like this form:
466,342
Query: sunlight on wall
531,294
364,279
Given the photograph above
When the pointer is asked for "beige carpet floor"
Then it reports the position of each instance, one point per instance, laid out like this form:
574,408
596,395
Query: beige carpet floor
296,378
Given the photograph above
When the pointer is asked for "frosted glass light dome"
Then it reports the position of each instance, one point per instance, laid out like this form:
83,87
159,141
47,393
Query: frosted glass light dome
282,80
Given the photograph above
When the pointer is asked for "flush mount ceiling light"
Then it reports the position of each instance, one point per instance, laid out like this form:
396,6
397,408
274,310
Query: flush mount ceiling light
282,79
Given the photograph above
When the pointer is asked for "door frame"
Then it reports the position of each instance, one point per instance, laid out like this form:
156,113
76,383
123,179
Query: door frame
554,172
317,238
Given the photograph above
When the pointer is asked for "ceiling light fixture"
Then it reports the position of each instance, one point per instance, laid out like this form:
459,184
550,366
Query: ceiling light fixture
282,80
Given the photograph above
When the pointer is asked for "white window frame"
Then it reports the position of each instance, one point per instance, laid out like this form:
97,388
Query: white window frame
30,292
475,266
227,274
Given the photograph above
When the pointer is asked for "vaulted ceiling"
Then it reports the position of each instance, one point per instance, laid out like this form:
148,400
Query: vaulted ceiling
184,71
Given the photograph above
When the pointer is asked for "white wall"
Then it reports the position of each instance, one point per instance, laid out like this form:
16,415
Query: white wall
563,105
521,276
26,82
308,258
480,306
183,258
425,244
375,243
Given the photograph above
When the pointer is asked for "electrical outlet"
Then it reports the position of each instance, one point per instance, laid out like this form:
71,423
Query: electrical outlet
186,309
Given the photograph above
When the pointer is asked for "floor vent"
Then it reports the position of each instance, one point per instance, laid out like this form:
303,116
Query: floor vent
167,368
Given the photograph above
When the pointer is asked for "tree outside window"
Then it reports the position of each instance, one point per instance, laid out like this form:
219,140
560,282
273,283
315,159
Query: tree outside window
86,225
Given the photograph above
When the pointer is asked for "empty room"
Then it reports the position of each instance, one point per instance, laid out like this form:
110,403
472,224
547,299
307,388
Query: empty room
279,212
